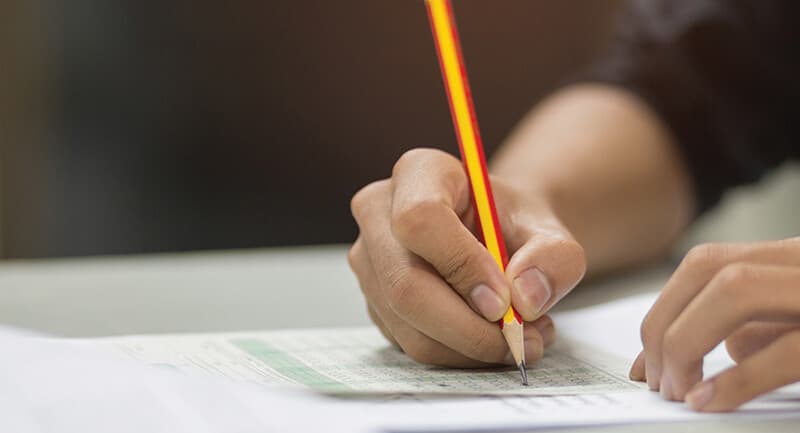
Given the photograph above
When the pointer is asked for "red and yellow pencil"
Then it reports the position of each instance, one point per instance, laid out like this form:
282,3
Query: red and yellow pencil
451,61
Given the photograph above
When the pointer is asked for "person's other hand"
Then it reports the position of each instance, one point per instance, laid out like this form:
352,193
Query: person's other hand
746,294
431,286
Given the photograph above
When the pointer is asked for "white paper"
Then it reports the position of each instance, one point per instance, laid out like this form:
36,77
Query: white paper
614,328
503,413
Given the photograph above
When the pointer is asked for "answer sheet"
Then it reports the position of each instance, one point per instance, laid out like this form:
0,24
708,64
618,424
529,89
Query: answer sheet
360,361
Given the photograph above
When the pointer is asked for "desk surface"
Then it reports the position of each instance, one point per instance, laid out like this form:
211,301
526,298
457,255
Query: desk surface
239,290
195,292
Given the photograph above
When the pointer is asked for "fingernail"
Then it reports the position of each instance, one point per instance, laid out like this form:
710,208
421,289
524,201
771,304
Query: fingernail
533,290
700,395
637,369
635,375
488,302
666,387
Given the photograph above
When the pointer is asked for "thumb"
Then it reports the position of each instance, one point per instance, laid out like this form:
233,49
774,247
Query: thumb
548,264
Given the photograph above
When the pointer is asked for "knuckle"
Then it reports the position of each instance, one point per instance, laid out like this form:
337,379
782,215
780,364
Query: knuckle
362,199
410,219
402,294
730,277
409,157
359,201
704,254
353,256
459,268
728,285
413,157
649,330
671,346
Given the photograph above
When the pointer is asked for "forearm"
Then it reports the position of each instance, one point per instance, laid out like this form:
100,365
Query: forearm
608,167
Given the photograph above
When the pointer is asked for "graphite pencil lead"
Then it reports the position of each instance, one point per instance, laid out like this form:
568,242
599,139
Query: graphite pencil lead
524,373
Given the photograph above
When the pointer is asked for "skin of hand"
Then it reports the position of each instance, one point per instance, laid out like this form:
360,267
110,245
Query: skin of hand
589,181
745,294
432,288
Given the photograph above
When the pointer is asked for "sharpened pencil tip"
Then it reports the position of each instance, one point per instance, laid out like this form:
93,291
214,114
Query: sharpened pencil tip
523,373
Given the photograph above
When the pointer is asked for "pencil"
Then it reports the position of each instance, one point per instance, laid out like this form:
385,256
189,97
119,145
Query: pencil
451,63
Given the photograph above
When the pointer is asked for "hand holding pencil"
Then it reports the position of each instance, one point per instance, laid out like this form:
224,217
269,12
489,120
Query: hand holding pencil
431,286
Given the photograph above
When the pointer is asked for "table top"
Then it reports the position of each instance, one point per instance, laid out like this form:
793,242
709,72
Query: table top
188,292
242,290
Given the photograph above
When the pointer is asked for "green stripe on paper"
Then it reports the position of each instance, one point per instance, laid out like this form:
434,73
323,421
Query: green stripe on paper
288,366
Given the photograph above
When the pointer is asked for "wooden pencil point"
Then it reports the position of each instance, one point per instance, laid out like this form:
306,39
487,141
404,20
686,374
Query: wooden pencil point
512,329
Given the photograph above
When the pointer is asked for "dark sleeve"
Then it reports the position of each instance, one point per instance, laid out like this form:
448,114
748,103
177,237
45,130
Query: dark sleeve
722,76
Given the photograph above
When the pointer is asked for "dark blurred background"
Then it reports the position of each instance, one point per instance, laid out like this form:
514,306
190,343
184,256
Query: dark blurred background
141,126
